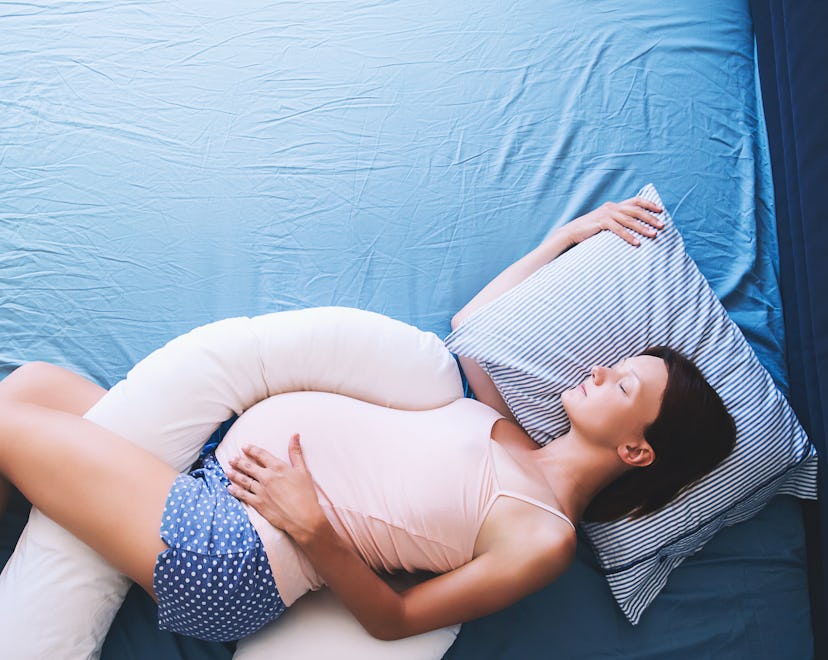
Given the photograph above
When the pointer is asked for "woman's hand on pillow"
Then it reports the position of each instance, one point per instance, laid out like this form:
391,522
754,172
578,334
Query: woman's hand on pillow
282,493
627,218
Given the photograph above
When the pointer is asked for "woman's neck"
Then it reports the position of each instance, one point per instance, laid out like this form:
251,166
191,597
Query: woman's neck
576,471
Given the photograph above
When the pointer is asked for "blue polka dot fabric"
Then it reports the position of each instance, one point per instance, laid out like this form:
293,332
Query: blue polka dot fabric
214,581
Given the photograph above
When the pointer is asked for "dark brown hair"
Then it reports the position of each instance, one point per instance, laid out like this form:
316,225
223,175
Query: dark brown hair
692,434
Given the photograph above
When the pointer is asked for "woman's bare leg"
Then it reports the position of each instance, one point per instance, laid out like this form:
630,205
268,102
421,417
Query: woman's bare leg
52,387
99,486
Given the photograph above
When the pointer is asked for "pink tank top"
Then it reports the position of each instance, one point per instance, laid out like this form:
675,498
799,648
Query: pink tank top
408,490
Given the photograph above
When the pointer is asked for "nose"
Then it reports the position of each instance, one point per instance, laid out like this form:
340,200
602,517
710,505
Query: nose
598,374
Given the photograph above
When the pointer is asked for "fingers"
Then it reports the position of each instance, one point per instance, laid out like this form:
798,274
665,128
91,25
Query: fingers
645,203
622,221
260,456
635,215
256,466
643,210
241,494
297,458
241,479
617,228
247,471
241,486
247,467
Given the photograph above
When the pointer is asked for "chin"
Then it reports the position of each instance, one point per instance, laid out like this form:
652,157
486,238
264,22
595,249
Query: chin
566,395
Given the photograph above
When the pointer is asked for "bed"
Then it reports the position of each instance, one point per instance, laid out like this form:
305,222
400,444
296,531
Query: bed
166,165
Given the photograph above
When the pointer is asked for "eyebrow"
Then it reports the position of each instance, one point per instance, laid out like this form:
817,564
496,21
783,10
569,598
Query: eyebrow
638,378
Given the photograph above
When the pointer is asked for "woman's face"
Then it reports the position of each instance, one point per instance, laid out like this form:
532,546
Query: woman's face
615,404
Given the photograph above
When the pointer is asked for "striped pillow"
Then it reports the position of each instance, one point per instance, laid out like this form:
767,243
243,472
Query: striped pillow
602,301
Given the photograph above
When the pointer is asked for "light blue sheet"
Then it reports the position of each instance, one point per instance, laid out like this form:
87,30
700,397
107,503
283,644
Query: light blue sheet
166,164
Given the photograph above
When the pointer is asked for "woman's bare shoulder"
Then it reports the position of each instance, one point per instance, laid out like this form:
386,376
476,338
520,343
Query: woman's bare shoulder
542,553
547,534
510,434
519,529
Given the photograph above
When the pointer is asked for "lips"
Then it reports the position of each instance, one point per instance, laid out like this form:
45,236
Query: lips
583,389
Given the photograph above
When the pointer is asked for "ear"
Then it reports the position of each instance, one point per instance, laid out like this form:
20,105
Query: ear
636,453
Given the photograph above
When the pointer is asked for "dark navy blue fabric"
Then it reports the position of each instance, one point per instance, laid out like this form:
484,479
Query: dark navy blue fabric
701,614
467,390
793,53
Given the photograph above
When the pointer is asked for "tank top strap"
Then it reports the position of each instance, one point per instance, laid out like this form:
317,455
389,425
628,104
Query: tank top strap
531,500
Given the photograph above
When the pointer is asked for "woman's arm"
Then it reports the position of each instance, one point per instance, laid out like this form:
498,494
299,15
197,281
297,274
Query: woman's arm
558,242
624,218
488,583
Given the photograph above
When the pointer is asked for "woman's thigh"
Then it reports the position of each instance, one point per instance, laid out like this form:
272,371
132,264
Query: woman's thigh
102,488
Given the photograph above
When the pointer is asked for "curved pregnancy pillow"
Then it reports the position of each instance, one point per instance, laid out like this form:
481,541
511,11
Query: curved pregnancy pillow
319,627
58,597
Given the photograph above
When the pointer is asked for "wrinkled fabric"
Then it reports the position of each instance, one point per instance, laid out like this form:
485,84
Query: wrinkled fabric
166,165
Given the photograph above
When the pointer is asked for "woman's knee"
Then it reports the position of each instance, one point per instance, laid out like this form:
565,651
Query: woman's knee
48,385
28,377
35,372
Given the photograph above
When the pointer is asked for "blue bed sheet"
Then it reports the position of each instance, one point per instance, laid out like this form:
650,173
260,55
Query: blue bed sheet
168,164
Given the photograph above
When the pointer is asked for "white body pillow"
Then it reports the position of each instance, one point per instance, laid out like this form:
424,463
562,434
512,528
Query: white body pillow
58,597
319,627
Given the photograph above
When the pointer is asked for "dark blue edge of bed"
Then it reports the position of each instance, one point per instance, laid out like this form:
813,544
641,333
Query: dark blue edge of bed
792,55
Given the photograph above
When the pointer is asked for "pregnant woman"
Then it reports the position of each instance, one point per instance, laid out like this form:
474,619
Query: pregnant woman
338,489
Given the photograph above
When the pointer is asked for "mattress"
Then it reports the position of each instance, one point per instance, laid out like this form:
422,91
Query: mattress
169,164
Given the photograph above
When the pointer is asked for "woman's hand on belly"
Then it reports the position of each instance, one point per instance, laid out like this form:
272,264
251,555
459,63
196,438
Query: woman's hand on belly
282,493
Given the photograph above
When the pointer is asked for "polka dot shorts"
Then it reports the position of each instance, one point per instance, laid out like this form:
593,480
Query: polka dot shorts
214,581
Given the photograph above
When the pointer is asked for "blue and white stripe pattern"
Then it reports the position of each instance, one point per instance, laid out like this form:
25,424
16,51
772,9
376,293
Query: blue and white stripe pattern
602,301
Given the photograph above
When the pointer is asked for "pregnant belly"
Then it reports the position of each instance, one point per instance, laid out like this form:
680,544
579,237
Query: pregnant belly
404,487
